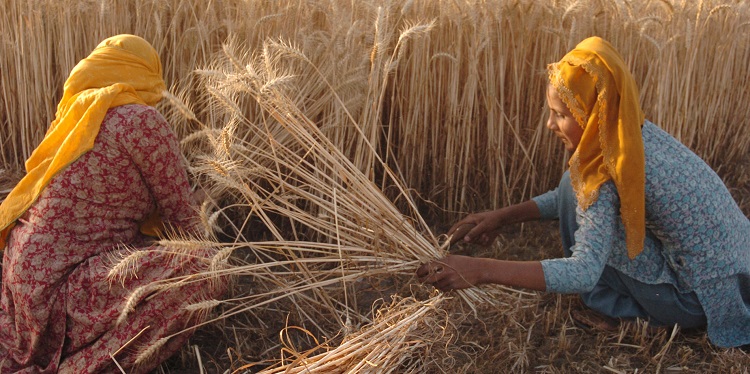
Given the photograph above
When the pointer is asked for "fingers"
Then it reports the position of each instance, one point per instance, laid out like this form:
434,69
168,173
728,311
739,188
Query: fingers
459,231
430,272
457,225
485,240
436,276
446,281
444,285
441,276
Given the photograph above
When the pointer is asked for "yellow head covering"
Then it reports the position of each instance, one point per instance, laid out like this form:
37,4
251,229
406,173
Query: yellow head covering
123,69
596,85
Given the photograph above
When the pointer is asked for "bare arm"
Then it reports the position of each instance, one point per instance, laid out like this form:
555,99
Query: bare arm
457,272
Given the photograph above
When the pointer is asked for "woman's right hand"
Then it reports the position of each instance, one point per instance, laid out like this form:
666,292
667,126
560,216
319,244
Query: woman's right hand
453,272
480,228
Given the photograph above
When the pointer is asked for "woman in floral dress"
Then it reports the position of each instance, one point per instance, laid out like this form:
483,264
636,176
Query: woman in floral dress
108,162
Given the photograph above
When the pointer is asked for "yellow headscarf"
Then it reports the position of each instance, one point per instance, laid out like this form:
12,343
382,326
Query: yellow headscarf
123,69
596,85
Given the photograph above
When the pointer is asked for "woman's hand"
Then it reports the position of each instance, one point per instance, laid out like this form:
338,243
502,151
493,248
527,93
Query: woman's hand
457,272
452,272
480,228
199,195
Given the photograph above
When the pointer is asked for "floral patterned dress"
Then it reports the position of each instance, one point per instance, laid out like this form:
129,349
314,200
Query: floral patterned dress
60,305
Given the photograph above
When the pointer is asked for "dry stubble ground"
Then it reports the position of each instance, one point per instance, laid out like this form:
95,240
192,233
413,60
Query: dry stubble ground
538,336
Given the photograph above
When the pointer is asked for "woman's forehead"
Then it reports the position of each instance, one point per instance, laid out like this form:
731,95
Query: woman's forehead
553,97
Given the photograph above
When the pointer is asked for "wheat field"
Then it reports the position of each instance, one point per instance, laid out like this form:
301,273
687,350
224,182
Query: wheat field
337,139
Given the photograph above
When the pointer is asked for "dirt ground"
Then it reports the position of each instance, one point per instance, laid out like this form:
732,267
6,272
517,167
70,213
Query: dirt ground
537,334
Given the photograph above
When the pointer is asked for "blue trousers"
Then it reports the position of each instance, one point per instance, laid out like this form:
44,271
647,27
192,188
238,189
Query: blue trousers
620,296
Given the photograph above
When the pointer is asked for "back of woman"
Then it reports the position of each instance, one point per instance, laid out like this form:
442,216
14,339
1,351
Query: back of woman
690,210
109,162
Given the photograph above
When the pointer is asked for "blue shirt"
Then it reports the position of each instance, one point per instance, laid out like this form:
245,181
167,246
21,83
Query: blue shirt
697,238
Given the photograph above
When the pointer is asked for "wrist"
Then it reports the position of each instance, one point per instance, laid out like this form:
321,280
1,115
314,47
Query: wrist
499,217
484,270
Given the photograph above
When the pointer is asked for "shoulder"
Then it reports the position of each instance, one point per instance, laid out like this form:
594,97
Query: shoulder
605,208
658,142
137,124
656,138
668,161
607,194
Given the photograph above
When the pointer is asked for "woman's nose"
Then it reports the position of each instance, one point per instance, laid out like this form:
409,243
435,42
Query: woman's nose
551,124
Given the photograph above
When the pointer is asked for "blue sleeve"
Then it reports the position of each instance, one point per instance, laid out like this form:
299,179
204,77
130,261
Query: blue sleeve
594,241
547,204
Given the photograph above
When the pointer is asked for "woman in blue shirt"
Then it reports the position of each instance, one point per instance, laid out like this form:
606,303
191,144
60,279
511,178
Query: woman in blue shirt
648,229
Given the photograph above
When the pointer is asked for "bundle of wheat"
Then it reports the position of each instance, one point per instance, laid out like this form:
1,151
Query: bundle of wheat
330,226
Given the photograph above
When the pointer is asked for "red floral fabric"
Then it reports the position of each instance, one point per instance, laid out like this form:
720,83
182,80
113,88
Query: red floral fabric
59,309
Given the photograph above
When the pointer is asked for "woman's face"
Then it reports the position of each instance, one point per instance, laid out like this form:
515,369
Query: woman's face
561,121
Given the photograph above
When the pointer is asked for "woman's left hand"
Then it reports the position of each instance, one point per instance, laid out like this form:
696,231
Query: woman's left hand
452,272
199,195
